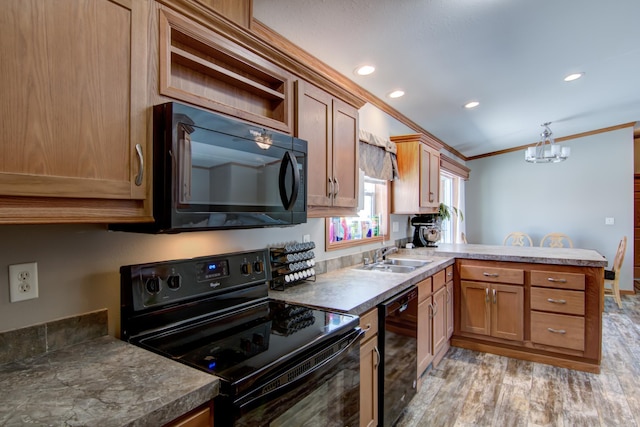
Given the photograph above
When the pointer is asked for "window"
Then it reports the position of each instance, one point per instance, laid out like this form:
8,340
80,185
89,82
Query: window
369,226
450,196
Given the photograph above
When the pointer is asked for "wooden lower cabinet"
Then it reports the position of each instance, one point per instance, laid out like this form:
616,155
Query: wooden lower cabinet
540,312
199,417
369,361
492,309
435,319
425,325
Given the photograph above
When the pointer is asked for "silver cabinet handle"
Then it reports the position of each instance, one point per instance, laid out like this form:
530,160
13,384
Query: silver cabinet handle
431,196
140,165
551,279
557,301
377,355
331,186
486,294
433,311
485,274
557,331
337,186
494,296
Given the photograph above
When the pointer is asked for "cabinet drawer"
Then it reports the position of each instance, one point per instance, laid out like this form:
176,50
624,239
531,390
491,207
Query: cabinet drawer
557,330
556,279
439,279
425,289
557,300
449,273
369,324
492,274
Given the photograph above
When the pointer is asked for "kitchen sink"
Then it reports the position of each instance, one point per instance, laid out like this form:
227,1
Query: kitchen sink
387,268
406,262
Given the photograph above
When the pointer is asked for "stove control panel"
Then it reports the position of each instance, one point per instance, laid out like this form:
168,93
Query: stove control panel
167,282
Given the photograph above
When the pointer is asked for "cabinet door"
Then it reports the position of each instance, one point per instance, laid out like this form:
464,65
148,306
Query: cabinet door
425,334
73,105
429,177
434,178
507,312
439,319
449,289
314,119
369,360
345,155
474,308
426,196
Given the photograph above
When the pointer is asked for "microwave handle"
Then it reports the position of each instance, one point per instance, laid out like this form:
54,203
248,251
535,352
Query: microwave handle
184,165
288,158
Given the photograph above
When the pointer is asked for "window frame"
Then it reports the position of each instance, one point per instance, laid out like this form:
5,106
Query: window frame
384,217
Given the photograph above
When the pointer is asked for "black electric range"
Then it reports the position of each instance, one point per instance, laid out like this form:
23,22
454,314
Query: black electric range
213,313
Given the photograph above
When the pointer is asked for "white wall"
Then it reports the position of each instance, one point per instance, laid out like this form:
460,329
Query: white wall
78,265
507,194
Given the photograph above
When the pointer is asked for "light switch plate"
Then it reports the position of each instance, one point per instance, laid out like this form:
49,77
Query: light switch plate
609,221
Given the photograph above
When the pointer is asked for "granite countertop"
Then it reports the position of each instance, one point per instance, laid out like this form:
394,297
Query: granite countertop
535,255
101,382
356,291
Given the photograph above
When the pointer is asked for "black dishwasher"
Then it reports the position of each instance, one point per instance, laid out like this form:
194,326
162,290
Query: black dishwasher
398,318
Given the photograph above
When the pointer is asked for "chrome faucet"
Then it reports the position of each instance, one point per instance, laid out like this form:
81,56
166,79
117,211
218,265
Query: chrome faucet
383,252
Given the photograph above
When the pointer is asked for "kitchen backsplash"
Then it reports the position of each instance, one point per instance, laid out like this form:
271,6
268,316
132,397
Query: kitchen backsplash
33,341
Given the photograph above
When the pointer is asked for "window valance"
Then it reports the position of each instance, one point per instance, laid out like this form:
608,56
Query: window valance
378,156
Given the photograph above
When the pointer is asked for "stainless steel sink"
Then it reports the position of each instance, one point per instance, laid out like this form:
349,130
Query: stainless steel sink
387,268
406,262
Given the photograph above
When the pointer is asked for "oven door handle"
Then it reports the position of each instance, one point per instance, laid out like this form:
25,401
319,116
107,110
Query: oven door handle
289,159
281,381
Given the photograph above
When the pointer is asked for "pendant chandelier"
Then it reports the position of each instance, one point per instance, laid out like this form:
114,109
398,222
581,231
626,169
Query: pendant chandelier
547,150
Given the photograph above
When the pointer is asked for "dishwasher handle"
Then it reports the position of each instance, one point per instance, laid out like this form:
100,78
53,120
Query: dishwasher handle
400,302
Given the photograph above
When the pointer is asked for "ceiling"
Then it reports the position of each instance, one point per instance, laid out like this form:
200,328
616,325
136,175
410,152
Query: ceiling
510,55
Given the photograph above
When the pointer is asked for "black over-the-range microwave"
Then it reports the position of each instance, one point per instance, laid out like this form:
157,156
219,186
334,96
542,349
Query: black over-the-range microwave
211,172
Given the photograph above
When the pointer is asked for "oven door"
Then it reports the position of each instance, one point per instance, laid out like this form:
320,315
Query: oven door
322,389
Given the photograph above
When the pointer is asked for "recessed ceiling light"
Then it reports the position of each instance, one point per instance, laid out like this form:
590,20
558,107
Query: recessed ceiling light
365,70
572,77
396,94
472,104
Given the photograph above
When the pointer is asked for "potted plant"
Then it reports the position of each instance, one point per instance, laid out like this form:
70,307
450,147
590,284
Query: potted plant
445,211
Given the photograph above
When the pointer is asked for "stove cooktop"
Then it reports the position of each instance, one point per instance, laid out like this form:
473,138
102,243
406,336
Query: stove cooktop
244,345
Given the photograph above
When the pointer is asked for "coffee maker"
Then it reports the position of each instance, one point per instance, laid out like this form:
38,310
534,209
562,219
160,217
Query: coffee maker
426,230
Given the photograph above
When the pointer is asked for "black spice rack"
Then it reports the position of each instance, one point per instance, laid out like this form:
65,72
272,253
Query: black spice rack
292,263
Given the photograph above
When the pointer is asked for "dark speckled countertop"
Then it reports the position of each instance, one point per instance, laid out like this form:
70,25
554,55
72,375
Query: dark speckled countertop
357,291
46,379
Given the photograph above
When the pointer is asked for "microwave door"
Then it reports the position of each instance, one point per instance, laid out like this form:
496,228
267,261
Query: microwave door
185,165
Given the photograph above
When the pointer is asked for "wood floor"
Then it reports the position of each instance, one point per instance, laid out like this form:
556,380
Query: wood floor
479,389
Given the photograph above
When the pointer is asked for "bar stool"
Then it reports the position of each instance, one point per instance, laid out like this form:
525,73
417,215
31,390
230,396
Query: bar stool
517,238
612,277
556,240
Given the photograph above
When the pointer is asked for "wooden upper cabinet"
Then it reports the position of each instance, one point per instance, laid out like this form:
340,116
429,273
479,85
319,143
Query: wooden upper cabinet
74,123
238,11
330,126
418,189
201,67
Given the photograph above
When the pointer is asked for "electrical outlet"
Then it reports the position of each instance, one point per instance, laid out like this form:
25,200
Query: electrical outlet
609,221
395,226
23,281
306,238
